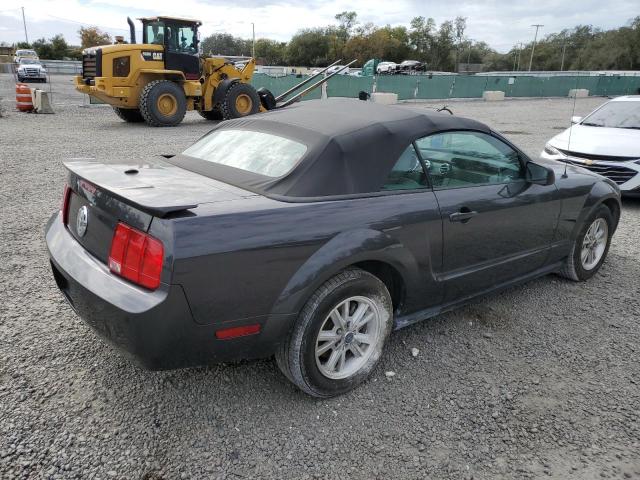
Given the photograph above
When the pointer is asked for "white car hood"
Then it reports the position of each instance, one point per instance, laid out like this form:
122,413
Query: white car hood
618,142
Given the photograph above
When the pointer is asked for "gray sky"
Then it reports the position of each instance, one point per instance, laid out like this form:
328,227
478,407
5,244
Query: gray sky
500,23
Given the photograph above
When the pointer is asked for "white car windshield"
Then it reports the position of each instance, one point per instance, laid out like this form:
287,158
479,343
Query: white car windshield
615,115
256,152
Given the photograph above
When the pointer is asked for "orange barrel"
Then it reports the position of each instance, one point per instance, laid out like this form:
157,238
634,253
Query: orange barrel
23,97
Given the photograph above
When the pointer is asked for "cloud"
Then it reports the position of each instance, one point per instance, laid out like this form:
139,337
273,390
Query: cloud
500,24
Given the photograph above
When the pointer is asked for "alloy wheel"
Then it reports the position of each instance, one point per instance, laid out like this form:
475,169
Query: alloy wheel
348,337
594,243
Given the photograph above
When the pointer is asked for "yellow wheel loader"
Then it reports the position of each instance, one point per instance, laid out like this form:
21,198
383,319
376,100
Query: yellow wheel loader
158,80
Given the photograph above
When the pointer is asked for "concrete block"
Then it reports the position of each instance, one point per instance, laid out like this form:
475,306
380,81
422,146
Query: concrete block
42,103
492,95
578,93
385,98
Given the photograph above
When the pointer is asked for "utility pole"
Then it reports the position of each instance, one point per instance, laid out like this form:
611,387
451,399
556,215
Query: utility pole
564,46
24,23
253,45
516,54
533,49
519,46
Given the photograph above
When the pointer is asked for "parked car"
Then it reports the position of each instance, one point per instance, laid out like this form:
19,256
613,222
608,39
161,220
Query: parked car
386,68
24,53
311,232
331,70
607,142
411,66
30,69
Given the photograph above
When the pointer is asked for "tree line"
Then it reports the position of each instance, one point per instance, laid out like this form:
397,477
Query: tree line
441,47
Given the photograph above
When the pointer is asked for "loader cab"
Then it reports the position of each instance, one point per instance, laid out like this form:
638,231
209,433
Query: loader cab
180,40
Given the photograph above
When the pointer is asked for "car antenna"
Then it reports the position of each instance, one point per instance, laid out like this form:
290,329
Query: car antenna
573,111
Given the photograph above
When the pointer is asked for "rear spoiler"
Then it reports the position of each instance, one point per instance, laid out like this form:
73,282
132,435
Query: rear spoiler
89,177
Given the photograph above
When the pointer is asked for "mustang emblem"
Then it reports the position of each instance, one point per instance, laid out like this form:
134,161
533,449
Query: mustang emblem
82,221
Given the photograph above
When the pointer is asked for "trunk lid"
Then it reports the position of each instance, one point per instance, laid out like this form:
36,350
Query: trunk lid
103,194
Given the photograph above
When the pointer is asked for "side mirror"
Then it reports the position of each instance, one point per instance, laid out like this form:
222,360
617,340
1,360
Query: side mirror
575,119
539,175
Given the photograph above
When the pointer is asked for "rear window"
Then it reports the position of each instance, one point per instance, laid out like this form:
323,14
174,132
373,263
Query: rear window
257,152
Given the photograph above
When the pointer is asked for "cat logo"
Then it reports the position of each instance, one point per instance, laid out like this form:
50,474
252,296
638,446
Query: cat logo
157,56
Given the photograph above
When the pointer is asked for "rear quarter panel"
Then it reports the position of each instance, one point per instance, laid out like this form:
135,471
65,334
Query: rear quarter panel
259,257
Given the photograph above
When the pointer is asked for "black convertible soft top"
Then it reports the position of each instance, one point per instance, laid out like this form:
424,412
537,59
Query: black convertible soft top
352,146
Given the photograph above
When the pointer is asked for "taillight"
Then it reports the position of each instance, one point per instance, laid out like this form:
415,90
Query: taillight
136,256
65,204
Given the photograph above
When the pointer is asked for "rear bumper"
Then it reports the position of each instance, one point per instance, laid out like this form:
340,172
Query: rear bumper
156,329
102,89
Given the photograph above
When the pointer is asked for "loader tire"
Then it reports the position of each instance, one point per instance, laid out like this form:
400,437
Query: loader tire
214,114
163,103
130,115
240,100
267,98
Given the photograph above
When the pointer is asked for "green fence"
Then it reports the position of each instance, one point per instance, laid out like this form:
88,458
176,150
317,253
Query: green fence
424,87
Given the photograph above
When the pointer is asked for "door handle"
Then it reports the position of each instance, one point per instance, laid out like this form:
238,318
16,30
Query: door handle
464,215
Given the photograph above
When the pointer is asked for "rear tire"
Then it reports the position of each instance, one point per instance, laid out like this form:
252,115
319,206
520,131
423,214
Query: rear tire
130,115
590,248
306,356
214,114
163,103
240,100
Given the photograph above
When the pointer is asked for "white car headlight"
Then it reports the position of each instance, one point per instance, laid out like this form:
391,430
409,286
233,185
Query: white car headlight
551,150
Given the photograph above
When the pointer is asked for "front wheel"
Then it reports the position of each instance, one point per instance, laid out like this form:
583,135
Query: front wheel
339,336
240,100
590,247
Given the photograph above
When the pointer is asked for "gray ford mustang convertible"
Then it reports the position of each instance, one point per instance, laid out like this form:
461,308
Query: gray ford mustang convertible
309,233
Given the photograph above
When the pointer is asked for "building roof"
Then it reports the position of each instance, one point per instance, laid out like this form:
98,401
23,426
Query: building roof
175,19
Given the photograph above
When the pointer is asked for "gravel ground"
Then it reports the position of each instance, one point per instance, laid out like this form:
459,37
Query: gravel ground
542,380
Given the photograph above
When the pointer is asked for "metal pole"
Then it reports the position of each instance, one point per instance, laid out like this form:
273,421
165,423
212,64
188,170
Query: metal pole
564,46
308,89
533,49
515,57
24,23
519,52
253,46
296,87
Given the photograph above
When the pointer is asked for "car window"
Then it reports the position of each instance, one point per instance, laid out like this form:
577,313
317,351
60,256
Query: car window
407,173
256,152
466,159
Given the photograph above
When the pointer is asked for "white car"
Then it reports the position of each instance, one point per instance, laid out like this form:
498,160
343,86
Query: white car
30,69
607,141
387,67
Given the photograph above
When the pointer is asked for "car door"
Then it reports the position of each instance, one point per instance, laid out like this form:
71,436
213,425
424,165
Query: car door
411,215
496,226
